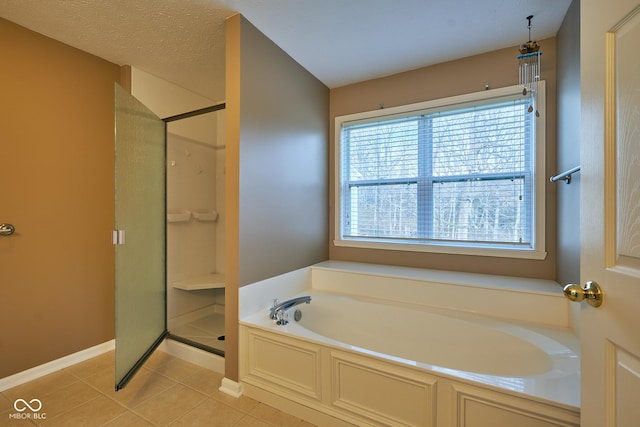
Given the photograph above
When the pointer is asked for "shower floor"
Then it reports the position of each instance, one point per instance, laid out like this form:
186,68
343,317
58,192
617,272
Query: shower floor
206,331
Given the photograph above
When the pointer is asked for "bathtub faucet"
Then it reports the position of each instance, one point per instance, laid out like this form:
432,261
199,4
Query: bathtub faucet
279,310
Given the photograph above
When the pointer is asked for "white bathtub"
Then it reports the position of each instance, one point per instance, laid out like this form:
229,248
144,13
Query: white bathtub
517,367
434,339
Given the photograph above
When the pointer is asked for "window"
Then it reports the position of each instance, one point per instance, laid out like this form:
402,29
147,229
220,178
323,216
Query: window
457,175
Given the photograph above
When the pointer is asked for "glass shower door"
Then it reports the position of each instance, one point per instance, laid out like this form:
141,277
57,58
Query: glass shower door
140,304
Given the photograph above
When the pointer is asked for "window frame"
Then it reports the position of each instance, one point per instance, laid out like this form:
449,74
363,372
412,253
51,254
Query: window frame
537,249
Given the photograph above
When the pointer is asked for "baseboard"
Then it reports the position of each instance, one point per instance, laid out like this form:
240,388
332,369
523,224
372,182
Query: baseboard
231,387
55,365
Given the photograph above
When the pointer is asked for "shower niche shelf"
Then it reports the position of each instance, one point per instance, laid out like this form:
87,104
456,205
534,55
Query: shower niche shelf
183,215
208,281
178,215
205,215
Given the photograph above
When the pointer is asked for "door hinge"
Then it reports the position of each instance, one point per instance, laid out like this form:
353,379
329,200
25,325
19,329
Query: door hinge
117,237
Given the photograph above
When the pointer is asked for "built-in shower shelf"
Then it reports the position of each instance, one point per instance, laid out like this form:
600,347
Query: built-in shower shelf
208,281
205,215
178,215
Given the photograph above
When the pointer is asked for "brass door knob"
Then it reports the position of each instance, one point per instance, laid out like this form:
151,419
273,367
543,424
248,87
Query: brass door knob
590,291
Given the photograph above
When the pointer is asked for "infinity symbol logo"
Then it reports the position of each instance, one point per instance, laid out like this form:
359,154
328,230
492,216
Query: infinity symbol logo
21,405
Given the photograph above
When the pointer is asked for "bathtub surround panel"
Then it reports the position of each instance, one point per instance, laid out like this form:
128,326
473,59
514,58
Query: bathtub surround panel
57,277
300,372
377,353
512,298
523,358
385,393
260,295
366,390
485,408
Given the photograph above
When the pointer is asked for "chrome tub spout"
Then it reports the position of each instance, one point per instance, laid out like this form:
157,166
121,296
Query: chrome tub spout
279,310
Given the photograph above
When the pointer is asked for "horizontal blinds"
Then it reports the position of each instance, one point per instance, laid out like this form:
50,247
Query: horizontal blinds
380,151
462,174
489,140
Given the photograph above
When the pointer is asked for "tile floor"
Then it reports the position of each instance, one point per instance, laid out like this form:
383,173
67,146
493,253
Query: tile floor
167,391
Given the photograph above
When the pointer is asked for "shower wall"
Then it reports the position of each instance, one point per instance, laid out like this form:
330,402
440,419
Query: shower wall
195,235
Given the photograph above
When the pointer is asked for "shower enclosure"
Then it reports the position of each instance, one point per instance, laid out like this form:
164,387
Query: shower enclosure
195,228
169,231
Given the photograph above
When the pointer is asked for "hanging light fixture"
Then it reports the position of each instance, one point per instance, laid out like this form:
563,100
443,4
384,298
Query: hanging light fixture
529,68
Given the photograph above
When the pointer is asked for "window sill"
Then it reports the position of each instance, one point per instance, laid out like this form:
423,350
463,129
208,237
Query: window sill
445,249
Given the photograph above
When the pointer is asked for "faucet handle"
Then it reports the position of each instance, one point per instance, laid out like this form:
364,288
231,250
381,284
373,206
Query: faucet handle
275,302
282,318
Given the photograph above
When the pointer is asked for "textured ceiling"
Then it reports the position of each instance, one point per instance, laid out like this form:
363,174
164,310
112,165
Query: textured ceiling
338,41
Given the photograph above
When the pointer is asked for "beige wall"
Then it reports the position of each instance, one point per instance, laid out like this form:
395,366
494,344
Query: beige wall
497,69
233,31
283,161
56,272
276,169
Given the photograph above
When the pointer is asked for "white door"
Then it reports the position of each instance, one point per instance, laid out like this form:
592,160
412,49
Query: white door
610,211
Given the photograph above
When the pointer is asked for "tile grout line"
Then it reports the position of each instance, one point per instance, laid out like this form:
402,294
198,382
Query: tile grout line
62,414
127,409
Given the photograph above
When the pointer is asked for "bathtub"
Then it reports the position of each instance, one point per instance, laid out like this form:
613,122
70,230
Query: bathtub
392,346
